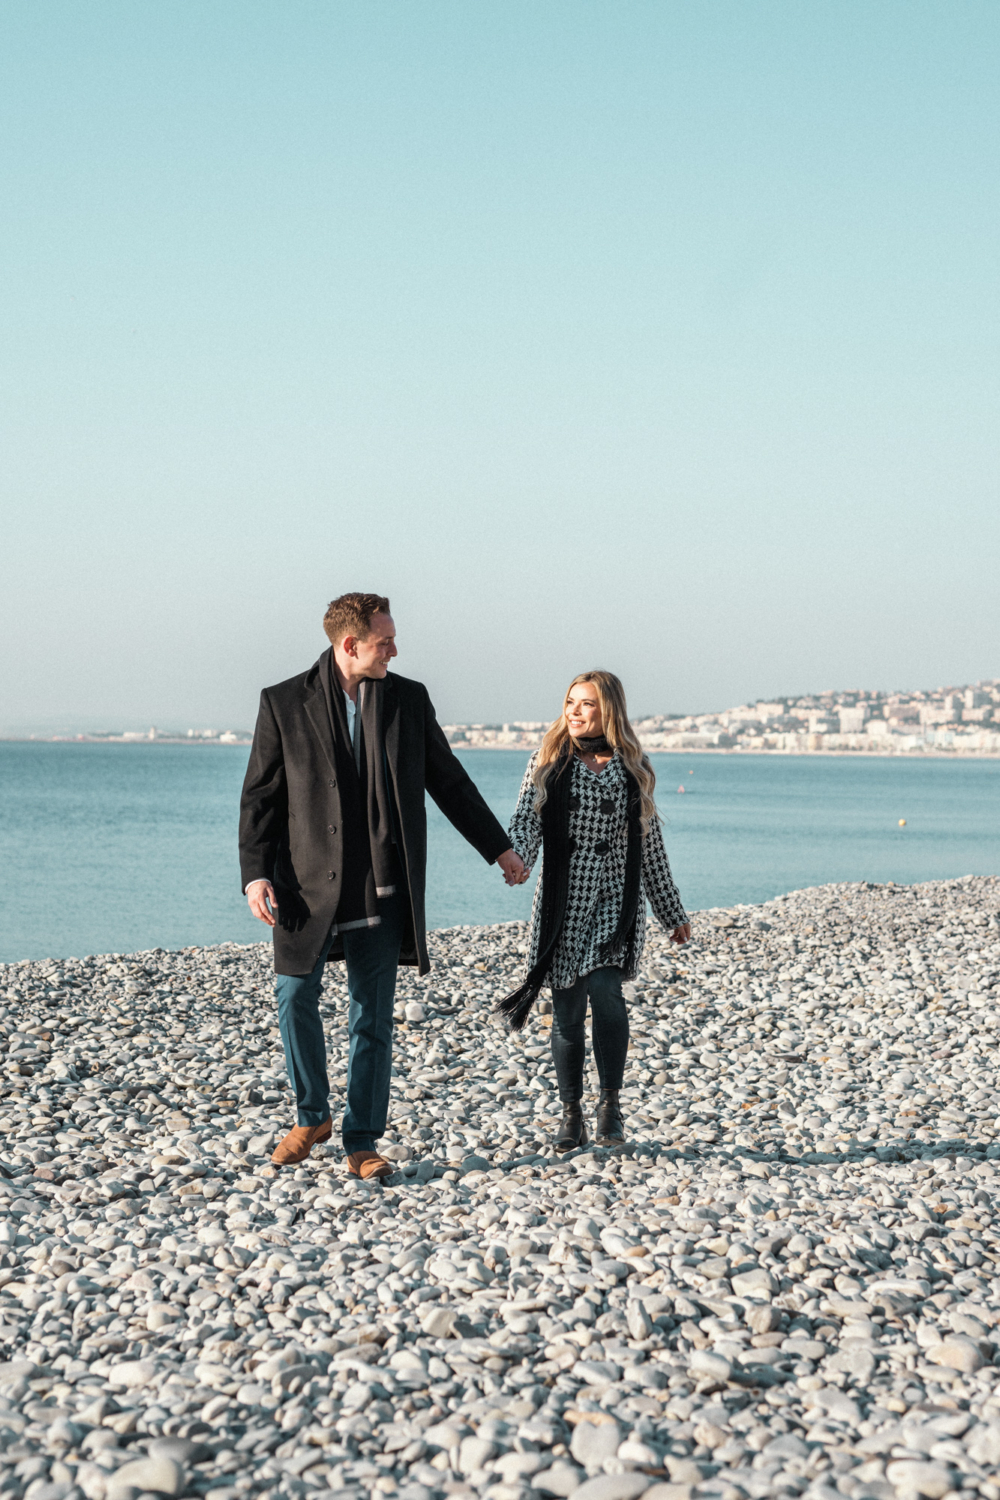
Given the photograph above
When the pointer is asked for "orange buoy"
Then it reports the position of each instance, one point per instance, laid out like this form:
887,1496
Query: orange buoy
680,789
902,822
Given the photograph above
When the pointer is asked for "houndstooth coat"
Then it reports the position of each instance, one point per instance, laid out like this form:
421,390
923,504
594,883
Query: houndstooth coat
598,828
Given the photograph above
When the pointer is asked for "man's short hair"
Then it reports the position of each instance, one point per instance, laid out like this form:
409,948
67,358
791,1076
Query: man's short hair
351,614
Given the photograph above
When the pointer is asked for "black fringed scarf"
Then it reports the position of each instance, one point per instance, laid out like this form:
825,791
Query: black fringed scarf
595,745
516,1006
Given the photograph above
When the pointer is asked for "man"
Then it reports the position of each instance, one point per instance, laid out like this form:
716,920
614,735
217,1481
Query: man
333,853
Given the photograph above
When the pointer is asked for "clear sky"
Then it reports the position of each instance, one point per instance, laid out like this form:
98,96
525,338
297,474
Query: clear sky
660,337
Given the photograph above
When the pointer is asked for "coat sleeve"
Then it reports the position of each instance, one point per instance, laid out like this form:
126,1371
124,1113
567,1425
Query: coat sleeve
658,881
456,794
526,825
264,803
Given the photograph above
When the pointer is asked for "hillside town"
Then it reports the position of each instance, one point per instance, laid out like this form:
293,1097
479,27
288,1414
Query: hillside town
943,721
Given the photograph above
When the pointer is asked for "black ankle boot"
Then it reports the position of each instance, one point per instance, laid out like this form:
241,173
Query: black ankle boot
572,1130
610,1125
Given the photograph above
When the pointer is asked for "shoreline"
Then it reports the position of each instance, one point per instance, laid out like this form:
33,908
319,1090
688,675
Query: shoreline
475,931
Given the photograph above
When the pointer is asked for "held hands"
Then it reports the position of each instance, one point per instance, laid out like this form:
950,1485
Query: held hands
513,869
263,903
259,894
681,934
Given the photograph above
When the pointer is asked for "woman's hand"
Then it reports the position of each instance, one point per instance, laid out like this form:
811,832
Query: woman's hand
681,934
512,867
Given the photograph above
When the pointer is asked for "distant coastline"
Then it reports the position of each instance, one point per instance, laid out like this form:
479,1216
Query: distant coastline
740,750
683,752
942,723
228,737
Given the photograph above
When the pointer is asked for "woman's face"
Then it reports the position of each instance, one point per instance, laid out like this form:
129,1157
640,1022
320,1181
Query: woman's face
583,712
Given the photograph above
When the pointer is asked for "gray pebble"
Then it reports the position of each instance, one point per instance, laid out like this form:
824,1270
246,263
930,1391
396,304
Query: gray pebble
594,1442
614,1487
163,1475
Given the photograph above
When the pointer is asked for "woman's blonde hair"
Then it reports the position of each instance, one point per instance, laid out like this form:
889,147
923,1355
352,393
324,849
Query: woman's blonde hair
617,731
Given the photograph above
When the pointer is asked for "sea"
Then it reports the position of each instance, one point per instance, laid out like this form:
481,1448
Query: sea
112,848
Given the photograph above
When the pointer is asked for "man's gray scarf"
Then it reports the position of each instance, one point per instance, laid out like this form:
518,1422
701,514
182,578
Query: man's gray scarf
371,863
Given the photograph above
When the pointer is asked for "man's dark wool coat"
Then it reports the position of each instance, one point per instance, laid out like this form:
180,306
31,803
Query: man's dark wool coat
290,812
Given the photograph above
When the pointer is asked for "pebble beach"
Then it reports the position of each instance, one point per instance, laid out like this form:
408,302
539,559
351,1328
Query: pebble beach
787,1283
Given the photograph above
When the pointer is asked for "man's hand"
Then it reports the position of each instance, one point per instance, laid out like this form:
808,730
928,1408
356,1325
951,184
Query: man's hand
259,893
681,934
513,869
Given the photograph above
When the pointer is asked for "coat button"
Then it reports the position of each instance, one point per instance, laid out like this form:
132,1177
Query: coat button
333,783
332,827
332,875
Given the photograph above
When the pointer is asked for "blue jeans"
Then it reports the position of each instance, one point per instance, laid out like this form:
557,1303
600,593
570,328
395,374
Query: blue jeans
372,955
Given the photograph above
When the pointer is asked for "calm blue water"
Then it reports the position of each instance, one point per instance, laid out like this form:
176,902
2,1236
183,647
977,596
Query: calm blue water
114,848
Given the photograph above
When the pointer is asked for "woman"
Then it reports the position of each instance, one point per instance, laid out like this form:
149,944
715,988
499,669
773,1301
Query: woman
587,799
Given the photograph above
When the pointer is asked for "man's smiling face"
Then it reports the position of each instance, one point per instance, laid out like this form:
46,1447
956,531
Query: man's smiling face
376,651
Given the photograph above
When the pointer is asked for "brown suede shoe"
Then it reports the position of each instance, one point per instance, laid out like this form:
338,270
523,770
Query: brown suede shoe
367,1164
299,1142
